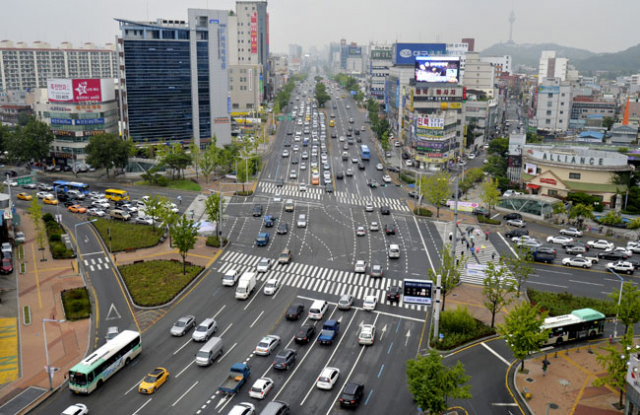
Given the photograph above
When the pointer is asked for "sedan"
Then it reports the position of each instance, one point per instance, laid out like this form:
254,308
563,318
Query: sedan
102,203
623,250
76,409
45,187
50,201
600,244
360,267
96,212
360,231
183,325
294,311
576,249
562,240
285,359
385,210
615,255
374,227
305,334
23,196
10,183
390,229
386,178
393,293
154,380
376,271
368,207
571,232
44,195
139,221
367,334
77,209
577,262
283,228
345,302
328,378
260,388
518,223
379,167
264,265
271,286
267,345
369,303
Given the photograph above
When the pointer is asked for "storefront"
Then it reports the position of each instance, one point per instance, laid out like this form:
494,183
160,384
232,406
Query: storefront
558,171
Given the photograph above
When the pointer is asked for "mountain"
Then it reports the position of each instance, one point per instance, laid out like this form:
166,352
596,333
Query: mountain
626,61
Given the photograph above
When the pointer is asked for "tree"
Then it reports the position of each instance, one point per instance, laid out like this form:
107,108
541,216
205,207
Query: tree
635,225
496,165
612,218
499,146
184,233
431,383
435,188
490,193
212,207
321,94
384,141
626,180
629,309
559,209
154,208
31,142
208,161
196,157
615,361
497,287
520,265
177,159
23,119
108,151
465,185
607,122
35,210
581,212
522,330
449,271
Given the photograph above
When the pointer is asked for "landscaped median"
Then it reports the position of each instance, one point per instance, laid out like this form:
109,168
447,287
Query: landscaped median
76,304
153,283
126,235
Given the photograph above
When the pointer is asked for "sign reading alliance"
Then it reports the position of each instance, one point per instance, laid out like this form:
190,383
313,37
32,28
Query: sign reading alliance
74,90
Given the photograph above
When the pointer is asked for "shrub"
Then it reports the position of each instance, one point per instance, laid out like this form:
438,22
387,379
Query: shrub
76,304
162,181
488,221
459,327
458,321
48,217
420,211
55,237
245,193
406,178
214,241
558,304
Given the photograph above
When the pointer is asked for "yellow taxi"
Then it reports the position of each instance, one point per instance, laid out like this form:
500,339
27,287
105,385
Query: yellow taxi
153,380
77,209
24,196
50,201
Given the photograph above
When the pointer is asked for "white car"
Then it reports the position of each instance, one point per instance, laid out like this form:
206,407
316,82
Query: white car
518,223
360,267
285,153
264,265
379,167
302,187
621,249
562,240
302,221
342,139
510,193
600,244
579,262
367,334
386,178
96,195
328,378
96,212
76,409
260,388
10,183
243,408
44,195
471,156
522,238
101,203
172,207
571,232
293,174
143,221
131,208
408,163
634,247
374,227
370,303
272,285
368,207
621,266
303,166
267,345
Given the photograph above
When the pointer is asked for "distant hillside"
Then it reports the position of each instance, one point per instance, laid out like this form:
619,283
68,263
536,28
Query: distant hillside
626,61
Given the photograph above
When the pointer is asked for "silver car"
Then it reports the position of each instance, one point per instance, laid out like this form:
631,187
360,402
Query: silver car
345,302
183,325
205,330
267,345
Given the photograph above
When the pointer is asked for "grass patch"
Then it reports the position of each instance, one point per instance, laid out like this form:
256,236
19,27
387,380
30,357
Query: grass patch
21,251
27,315
153,283
488,221
125,235
23,268
406,178
558,304
54,234
459,327
214,241
185,184
76,303
244,193
420,211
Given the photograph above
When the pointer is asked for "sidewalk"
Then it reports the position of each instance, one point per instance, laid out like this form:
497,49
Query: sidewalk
39,289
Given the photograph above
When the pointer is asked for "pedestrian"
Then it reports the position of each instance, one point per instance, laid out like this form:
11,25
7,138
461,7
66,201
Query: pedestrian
473,244
467,244
461,254
180,200
493,256
486,234
450,236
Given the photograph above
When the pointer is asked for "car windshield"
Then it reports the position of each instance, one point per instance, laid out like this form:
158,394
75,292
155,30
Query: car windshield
150,379
271,285
256,389
280,359
263,345
365,335
180,323
201,328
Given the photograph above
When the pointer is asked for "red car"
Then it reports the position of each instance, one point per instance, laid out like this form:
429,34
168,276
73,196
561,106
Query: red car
6,267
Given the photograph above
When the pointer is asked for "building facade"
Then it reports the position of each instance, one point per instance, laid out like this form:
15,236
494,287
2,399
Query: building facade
501,63
379,63
252,22
584,108
25,67
552,67
554,105
479,75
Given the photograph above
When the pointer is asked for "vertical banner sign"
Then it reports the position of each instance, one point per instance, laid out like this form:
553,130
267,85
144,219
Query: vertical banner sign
250,79
254,32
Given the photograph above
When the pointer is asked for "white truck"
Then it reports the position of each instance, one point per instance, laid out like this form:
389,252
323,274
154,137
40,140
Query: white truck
246,285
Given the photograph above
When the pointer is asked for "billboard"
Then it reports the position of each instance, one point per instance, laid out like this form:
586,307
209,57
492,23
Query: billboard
80,90
381,54
417,291
355,50
254,32
426,122
444,69
406,53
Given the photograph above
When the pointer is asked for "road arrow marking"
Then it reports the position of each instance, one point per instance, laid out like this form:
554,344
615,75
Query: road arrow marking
408,335
383,330
113,310
223,400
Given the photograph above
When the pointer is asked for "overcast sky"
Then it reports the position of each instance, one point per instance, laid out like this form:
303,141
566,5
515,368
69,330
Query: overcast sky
588,24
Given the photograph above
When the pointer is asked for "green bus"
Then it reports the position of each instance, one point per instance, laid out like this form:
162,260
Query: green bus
95,369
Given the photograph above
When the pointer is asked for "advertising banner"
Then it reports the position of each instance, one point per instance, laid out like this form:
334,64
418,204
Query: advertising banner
445,69
426,122
405,53
530,168
254,32
381,54
92,121
61,121
80,90
417,291
463,206
86,90
250,79
355,50
60,90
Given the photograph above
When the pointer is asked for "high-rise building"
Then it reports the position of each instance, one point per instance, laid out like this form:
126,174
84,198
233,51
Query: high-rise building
501,63
174,78
554,105
295,51
552,67
479,75
471,42
252,22
25,67
379,63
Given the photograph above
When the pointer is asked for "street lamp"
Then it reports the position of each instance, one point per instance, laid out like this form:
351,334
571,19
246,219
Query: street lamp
46,347
77,244
615,327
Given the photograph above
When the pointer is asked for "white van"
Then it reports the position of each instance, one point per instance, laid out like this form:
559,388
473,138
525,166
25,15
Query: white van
394,251
246,285
119,214
230,278
209,352
317,309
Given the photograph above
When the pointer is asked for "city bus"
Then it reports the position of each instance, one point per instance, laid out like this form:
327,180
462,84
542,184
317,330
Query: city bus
580,324
116,195
94,370
364,152
81,187
61,186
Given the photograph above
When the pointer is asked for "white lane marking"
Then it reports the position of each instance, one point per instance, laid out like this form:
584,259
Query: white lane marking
506,362
228,351
424,245
588,283
216,314
548,285
508,245
145,404
182,347
134,386
185,368
187,391
225,330
256,320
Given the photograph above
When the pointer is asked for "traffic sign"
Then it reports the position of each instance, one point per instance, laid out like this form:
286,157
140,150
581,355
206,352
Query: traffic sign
22,180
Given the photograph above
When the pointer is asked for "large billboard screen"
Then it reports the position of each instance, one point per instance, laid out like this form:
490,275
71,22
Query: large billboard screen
406,53
442,69
80,90
417,291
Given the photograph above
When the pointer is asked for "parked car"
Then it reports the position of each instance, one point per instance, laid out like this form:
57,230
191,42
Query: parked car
600,244
571,232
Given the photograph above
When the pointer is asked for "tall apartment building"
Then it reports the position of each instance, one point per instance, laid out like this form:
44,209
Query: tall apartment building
25,67
554,105
174,78
501,63
295,51
252,21
379,63
552,67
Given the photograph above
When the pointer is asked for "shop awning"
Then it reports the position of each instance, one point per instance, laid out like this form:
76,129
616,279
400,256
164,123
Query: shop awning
533,186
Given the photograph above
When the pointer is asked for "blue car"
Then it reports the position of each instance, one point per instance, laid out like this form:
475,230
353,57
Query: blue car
269,221
262,239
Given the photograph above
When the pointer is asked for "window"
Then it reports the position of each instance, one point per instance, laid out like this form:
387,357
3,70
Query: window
549,104
547,121
552,192
548,112
550,96
575,176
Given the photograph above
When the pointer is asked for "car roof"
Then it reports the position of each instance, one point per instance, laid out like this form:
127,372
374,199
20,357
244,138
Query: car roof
351,387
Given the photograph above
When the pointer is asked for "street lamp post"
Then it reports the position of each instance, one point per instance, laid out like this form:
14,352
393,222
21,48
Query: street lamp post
77,244
46,347
615,327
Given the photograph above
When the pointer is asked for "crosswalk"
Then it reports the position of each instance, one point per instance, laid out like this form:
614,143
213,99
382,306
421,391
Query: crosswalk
99,263
317,279
346,198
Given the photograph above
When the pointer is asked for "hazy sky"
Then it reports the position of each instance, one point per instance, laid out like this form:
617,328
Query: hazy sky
588,24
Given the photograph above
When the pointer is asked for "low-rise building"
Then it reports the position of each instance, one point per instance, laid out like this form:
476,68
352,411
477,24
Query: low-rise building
553,105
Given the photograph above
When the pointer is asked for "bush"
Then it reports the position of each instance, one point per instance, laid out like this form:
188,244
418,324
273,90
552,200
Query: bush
458,321
60,251
55,237
420,211
162,181
558,304
459,327
406,178
214,241
48,217
245,193
488,221
76,304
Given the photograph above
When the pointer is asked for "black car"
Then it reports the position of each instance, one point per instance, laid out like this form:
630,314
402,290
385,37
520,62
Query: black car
349,134
328,188
289,132
393,293
285,359
280,183
351,394
480,211
516,232
360,166
405,156
512,216
294,160
294,311
384,210
357,132
339,176
257,210
287,143
394,169
614,255
334,135
305,334
390,229
358,139
576,243
68,202
283,229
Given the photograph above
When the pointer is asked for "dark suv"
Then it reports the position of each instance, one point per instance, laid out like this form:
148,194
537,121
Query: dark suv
352,394
516,232
393,293
257,210
512,216
285,359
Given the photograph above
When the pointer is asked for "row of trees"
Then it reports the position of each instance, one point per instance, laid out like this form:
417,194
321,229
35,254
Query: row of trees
29,141
380,126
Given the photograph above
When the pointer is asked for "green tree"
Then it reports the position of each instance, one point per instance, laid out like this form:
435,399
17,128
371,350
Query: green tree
490,194
176,159
610,219
635,225
184,233
614,360
559,209
435,188
499,146
625,180
35,210
196,157
208,162
384,141
465,185
607,122
497,287
431,383
5,135
581,212
629,309
533,138
108,151
212,207
520,265
450,270
155,207
522,330
23,119
31,142
321,94
496,166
